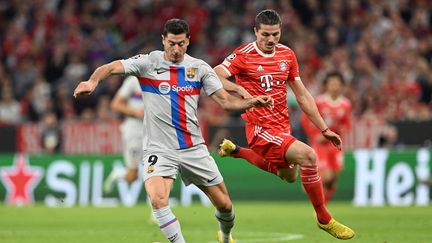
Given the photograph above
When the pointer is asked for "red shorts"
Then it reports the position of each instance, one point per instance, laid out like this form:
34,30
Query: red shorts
270,144
328,157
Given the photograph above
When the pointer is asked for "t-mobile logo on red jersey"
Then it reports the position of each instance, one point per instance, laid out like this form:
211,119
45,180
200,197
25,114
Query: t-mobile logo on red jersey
266,82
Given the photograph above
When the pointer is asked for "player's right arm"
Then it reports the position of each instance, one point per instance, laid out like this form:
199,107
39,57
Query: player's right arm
101,73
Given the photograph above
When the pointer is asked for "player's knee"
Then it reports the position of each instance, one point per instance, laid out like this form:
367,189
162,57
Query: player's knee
309,158
158,202
225,206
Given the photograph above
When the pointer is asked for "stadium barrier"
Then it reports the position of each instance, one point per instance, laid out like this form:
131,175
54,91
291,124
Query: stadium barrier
105,137
371,178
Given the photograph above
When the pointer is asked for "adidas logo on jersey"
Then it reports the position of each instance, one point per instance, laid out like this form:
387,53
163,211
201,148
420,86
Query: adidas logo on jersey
260,68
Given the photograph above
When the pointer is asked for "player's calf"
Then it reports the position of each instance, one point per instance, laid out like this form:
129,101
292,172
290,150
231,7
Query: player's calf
288,174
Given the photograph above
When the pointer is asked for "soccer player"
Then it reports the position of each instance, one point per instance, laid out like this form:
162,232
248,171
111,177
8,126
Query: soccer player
265,67
336,112
128,102
171,82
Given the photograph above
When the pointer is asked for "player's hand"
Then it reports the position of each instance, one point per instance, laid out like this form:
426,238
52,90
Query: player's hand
333,138
84,88
263,101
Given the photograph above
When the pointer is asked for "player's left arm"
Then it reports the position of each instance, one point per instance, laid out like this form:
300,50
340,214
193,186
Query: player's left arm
308,106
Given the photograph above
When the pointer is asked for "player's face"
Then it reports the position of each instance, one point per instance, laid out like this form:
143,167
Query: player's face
175,47
334,86
267,37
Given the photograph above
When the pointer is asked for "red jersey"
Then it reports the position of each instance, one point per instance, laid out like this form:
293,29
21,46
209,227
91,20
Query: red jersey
336,114
264,74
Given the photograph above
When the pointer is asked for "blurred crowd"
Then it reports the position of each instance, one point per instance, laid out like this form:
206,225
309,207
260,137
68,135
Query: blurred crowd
382,47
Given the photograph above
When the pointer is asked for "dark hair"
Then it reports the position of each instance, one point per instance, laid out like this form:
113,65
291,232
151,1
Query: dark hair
267,17
176,27
335,74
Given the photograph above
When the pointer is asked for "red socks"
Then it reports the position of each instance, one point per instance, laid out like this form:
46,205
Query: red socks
313,186
250,156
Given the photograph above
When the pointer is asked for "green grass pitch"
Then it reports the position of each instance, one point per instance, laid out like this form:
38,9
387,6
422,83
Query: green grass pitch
255,222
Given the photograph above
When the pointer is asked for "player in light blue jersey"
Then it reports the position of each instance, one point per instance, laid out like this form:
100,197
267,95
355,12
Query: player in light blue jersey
171,82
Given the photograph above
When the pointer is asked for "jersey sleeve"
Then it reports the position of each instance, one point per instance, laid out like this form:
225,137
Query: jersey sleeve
211,82
136,65
294,68
127,87
232,63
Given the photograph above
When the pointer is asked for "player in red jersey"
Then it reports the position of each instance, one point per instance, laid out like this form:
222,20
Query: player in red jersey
266,67
336,112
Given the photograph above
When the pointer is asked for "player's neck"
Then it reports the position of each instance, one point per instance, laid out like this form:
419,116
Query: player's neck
333,97
262,53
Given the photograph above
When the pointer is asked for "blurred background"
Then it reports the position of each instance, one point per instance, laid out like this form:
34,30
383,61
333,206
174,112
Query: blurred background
382,48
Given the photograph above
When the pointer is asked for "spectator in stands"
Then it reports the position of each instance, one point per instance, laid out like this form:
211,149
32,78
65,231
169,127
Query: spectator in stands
50,133
10,109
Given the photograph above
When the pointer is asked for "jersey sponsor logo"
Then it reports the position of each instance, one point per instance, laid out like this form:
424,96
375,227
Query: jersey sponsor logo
191,72
164,88
187,88
231,57
283,66
266,82
260,68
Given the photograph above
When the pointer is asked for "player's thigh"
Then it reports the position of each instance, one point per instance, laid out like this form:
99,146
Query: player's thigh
300,153
198,167
218,195
158,189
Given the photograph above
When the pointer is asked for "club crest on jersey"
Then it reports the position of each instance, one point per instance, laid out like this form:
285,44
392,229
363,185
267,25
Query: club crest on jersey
190,73
283,66
164,88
